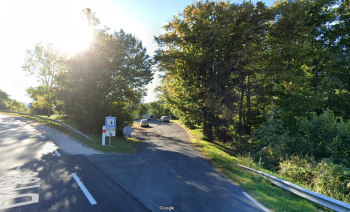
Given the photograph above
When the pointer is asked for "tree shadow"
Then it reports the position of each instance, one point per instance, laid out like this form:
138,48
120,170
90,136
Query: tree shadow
178,177
56,184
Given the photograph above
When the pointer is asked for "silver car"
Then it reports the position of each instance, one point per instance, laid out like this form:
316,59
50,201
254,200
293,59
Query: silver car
144,123
164,118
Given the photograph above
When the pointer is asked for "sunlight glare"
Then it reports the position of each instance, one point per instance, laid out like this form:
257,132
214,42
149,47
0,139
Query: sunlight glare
78,39
46,148
59,23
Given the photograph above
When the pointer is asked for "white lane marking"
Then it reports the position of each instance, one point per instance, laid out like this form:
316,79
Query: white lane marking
256,202
57,153
41,136
83,188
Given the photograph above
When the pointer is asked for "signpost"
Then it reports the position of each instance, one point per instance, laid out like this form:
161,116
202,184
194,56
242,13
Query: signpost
109,129
127,131
103,135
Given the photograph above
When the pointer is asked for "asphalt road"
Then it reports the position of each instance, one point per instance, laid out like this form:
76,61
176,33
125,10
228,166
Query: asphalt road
34,178
165,174
168,174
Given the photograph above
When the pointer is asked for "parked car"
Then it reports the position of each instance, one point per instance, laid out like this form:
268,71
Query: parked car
164,118
149,117
144,123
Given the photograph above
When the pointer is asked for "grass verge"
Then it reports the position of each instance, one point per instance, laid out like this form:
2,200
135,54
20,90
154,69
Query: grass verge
269,195
118,144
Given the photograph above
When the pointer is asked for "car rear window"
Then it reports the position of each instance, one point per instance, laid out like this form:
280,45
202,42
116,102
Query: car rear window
144,121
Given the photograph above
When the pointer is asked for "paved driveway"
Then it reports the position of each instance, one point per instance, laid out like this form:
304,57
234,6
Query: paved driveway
168,174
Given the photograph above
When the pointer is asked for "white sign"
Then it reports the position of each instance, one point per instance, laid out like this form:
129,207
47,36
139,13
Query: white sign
110,131
110,122
127,130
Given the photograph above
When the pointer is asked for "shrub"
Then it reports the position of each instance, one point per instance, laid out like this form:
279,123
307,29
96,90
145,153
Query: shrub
323,177
326,136
332,180
323,136
271,142
299,169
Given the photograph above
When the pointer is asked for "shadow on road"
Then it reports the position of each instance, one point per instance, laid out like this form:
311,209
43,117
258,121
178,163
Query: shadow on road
55,191
167,171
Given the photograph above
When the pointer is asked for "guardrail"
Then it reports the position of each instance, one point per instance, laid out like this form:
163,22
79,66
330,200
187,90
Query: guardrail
63,124
305,193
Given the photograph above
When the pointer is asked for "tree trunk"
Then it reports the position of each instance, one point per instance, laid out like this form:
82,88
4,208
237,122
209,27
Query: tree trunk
248,105
240,124
49,109
208,131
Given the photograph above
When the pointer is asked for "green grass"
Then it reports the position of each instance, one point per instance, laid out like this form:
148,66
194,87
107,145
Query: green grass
273,197
118,144
62,119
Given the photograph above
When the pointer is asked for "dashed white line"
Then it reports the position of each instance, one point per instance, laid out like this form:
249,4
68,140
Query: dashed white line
57,153
256,202
83,188
41,136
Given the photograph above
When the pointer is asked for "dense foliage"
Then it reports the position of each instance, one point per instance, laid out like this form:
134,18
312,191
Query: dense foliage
273,82
45,63
323,136
324,177
207,56
224,64
104,79
156,108
107,78
6,103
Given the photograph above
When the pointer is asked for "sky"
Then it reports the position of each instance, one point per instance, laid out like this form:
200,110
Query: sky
24,23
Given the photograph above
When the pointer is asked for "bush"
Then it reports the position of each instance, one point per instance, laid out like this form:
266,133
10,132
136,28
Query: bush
323,136
323,177
189,123
299,169
271,142
326,136
222,133
332,180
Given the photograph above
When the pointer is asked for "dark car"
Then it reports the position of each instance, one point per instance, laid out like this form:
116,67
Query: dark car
149,117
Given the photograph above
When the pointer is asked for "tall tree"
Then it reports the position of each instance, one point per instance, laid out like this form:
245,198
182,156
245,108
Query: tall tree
301,72
207,54
45,63
105,78
142,110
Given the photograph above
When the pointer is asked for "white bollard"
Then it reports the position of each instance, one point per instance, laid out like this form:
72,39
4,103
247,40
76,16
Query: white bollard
103,135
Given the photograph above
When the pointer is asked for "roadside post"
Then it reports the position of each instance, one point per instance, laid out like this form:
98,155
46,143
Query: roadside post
127,130
110,128
103,135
